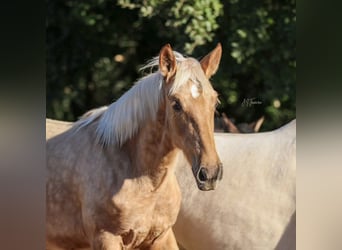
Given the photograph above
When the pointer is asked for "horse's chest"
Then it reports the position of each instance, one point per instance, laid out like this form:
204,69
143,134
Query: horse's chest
148,215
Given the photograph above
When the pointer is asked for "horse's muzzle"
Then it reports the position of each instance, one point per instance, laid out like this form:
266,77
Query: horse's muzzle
207,178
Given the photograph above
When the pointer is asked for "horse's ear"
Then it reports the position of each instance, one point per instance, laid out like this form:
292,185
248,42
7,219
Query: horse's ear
167,62
255,126
231,128
210,62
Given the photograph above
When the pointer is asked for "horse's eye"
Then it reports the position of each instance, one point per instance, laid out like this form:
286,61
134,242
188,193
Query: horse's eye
176,106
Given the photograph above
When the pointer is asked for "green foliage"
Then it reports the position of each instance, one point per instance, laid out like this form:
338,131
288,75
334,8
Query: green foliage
95,48
195,18
259,38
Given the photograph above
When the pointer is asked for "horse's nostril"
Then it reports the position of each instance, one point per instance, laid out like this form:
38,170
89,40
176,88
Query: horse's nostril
202,175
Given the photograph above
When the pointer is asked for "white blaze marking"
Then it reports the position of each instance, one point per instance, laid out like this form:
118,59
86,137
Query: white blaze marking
195,92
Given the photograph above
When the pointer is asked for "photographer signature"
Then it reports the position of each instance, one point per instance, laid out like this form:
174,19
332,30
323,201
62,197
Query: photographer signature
248,102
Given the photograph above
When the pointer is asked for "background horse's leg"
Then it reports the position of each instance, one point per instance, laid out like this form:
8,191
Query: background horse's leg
167,242
107,241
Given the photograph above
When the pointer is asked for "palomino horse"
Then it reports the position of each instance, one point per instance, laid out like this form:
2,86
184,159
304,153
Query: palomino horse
254,205
110,177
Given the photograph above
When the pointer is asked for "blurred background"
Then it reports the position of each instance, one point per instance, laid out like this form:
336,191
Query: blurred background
94,50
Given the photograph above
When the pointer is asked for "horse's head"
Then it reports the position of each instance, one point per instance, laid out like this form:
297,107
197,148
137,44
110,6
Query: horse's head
190,103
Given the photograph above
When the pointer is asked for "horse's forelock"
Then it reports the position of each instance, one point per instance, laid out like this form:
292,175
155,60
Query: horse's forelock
187,68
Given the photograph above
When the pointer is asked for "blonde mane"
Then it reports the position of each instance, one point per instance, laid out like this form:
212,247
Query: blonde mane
121,120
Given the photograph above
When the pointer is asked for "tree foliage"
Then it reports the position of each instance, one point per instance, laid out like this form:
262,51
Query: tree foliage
95,48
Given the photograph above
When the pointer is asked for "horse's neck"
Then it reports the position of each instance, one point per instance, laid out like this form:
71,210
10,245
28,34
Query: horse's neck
152,151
